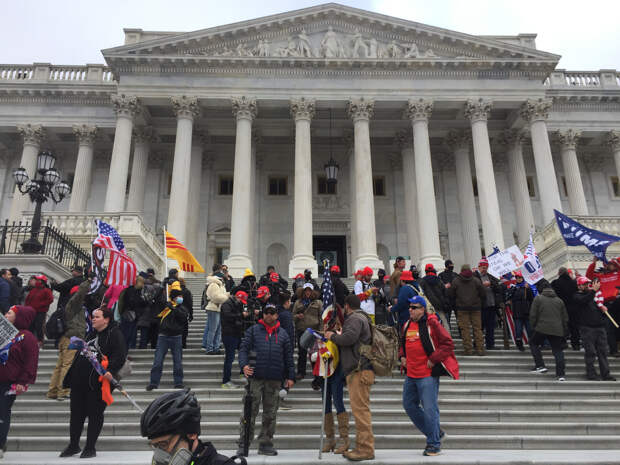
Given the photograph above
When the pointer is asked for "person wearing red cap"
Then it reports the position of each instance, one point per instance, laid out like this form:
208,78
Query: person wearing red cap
609,276
39,298
407,291
520,298
232,315
340,288
273,280
366,292
494,298
435,291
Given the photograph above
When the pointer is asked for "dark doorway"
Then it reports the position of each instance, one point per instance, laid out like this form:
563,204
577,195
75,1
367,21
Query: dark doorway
332,248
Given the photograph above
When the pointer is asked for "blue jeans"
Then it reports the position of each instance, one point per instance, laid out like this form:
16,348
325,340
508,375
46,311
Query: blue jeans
213,332
420,397
231,344
335,391
521,323
130,331
174,343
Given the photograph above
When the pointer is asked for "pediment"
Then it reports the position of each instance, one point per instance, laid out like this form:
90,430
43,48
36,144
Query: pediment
330,32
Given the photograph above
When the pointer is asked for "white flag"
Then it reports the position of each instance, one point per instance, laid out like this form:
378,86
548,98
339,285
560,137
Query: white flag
532,268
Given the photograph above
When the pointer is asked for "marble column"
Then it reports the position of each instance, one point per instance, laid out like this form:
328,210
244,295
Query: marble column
32,135
254,198
302,110
536,112
199,142
360,111
239,259
478,111
613,142
185,109
142,136
513,141
405,143
350,144
125,107
568,140
80,191
419,111
460,142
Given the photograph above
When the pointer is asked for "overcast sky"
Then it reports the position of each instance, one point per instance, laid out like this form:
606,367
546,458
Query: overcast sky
586,34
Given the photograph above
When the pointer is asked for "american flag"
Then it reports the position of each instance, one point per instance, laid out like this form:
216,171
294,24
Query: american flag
327,289
108,238
121,270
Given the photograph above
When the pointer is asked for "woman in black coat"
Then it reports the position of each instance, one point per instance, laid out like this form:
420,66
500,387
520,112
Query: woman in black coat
521,298
107,340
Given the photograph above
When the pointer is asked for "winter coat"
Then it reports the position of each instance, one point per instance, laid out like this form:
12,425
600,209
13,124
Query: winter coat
437,343
154,298
231,318
548,314
5,295
133,301
229,283
64,289
401,309
111,343
467,293
496,288
274,352
17,290
355,331
21,367
609,281
300,284
40,298
74,312
340,290
206,454
216,293
447,276
589,313
188,302
172,322
521,298
312,314
285,317
566,288
435,290
265,280
247,285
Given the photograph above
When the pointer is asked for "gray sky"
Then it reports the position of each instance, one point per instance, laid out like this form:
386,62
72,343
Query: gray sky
74,32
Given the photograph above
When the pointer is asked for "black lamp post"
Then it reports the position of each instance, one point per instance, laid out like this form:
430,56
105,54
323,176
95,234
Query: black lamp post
46,185
331,167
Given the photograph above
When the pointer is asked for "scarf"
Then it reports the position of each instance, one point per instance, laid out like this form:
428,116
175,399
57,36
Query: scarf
270,329
306,302
106,392
467,273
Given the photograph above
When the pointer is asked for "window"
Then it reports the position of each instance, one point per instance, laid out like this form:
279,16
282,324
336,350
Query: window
531,186
378,186
278,186
474,183
563,184
324,188
221,254
615,186
226,186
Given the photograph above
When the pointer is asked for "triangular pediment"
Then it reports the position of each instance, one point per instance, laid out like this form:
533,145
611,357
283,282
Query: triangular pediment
331,32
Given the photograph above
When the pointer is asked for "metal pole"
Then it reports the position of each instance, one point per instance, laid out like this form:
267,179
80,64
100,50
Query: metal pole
165,262
324,406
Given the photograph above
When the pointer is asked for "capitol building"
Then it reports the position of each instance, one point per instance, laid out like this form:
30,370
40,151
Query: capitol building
328,131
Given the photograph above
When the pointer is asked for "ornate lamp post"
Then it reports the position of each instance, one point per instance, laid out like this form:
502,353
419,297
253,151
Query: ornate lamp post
331,167
46,185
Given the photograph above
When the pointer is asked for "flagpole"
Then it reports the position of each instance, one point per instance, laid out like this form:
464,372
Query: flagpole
165,261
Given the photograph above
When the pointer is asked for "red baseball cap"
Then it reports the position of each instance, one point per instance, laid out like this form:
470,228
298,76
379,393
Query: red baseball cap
299,276
262,291
358,273
242,296
518,273
582,280
367,271
41,277
335,269
483,261
275,277
429,267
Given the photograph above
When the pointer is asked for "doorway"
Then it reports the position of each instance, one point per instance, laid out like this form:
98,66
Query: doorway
332,248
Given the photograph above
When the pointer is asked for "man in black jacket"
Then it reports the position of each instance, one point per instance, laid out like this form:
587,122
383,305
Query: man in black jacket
274,357
340,289
565,287
494,294
232,315
435,291
64,288
172,321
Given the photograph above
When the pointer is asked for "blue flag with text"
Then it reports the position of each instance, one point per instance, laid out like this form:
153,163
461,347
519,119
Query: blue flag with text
575,234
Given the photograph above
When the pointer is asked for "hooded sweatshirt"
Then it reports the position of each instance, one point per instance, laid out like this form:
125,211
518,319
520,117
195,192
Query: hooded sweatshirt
39,298
21,367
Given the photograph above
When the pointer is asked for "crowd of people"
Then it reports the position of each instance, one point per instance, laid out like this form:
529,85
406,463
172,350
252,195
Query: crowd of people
261,322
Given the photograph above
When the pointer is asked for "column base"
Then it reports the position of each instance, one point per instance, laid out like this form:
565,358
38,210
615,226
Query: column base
368,260
437,261
237,265
300,263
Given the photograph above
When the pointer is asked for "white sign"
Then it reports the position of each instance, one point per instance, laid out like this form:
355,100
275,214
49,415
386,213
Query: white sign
7,331
505,261
532,268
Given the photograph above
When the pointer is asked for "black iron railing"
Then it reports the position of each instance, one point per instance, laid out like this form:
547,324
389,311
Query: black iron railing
56,244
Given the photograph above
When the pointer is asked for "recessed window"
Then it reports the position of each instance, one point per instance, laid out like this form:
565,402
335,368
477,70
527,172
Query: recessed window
474,183
221,254
615,186
378,186
278,186
564,188
325,188
531,186
226,185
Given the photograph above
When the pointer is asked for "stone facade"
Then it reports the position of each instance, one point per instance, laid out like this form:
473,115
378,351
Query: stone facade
447,143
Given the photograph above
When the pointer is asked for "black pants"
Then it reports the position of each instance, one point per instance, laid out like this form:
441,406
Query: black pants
85,403
612,332
36,327
6,403
573,328
302,356
488,324
557,347
595,345
185,332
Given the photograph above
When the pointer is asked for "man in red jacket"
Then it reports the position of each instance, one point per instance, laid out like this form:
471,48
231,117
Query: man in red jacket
426,353
609,277
39,298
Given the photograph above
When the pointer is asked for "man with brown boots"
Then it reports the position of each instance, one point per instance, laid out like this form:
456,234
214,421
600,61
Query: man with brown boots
359,375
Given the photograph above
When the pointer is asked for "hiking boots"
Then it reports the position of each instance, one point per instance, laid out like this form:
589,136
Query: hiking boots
357,455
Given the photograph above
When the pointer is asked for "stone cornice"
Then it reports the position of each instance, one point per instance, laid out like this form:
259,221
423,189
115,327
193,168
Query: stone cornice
478,110
86,134
302,108
360,109
567,139
28,95
244,107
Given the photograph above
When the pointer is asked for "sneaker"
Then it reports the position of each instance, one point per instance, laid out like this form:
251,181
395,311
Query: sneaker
61,398
179,386
229,385
539,370
593,378
432,450
267,450
284,405
561,378
150,387
70,450
609,378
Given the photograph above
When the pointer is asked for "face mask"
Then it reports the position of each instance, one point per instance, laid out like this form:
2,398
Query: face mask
179,300
180,457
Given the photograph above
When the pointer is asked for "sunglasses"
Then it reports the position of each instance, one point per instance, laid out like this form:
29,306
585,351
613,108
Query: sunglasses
416,306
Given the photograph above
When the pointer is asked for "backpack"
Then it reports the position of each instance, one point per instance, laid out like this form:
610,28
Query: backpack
56,325
382,352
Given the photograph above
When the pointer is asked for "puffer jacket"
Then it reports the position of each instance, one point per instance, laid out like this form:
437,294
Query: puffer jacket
435,291
231,314
216,293
521,298
74,312
274,352
312,314
548,314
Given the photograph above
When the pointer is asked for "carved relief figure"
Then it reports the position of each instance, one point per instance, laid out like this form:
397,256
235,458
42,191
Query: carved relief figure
262,49
303,46
331,47
358,45
372,53
429,53
413,51
394,50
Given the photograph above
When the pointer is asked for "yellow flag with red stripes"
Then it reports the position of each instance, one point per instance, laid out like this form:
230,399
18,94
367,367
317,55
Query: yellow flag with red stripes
177,251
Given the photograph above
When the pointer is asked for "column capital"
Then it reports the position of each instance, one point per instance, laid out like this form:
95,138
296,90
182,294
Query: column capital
360,109
510,138
612,139
86,134
568,138
244,107
419,109
478,110
444,161
536,109
126,105
32,134
185,107
200,137
302,108
403,139
144,135
458,140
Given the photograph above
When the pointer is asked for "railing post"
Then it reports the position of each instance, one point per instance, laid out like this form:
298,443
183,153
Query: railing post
41,71
3,240
45,235
608,79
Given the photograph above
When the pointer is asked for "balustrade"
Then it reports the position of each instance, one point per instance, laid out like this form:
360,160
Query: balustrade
55,73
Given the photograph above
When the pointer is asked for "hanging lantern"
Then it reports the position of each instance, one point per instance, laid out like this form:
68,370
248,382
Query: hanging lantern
45,161
51,176
20,176
331,171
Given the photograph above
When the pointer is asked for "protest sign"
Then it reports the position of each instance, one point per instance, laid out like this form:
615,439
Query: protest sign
505,261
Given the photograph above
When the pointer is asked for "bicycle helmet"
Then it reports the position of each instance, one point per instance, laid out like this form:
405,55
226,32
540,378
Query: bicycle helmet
175,412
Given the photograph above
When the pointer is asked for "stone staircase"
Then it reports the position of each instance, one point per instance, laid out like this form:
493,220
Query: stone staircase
498,408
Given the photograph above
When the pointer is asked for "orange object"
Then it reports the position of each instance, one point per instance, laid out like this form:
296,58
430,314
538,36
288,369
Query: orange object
106,391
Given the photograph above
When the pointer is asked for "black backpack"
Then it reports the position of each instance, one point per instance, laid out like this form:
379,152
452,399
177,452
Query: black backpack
56,325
